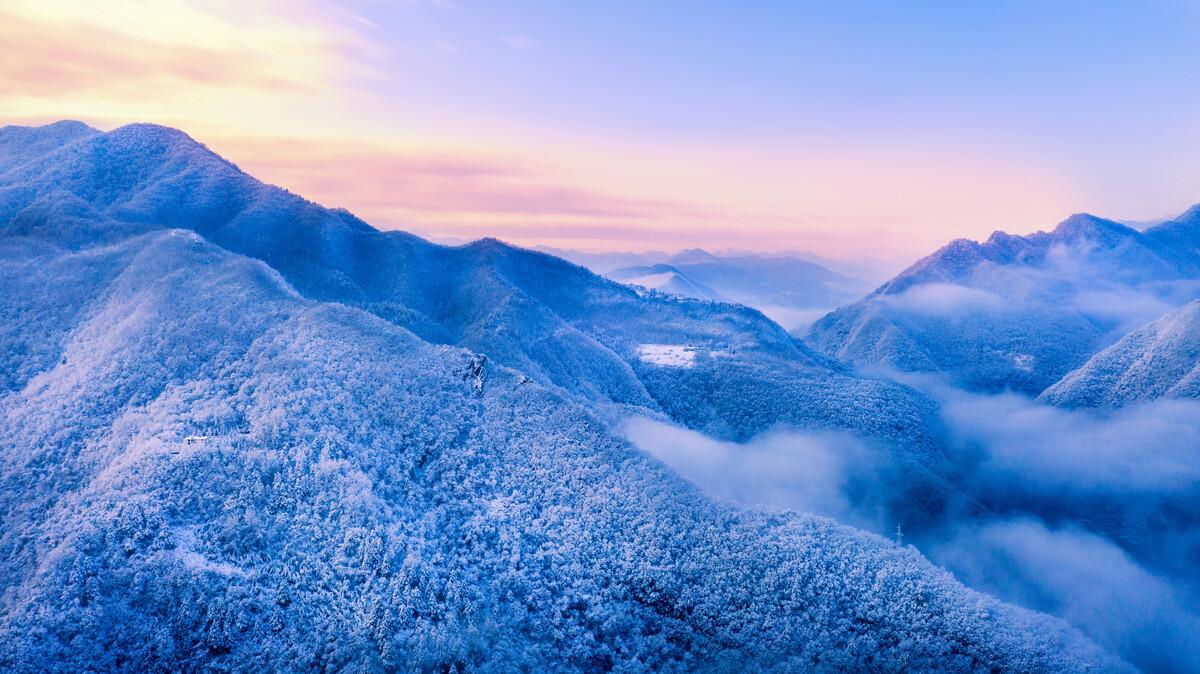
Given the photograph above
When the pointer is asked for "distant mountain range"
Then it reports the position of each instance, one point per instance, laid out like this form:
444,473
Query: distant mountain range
243,431
603,262
791,291
1020,312
871,269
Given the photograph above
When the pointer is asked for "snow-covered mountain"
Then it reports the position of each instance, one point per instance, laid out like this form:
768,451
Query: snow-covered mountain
789,290
1019,312
1159,360
240,431
556,322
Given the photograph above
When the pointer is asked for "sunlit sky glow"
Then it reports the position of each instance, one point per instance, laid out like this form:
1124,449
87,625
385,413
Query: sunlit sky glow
841,128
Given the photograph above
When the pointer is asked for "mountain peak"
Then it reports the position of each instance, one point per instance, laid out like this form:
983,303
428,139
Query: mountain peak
958,253
67,127
1077,221
692,255
487,243
142,133
1181,232
154,143
1086,225
1001,237
73,126
1191,216
18,143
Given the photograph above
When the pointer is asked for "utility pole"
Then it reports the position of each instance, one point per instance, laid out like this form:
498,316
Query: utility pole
899,535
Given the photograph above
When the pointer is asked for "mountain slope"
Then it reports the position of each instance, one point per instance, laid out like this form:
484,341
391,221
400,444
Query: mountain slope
554,321
202,469
1018,312
1159,360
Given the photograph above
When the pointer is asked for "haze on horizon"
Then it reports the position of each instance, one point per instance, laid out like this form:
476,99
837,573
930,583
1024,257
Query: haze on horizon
869,130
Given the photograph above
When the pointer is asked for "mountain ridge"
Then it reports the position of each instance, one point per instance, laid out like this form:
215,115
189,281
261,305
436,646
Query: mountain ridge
202,466
1017,312
554,320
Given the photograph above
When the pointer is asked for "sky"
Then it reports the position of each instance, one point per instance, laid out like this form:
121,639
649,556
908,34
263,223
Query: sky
845,129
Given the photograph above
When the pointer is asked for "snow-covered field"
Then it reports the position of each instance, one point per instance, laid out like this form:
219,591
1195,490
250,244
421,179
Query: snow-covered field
668,355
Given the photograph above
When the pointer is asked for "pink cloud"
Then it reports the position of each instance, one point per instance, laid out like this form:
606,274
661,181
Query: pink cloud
373,179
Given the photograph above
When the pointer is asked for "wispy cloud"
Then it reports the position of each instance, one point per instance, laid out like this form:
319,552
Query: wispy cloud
444,189
1154,447
785,470
945,299
128,49
1083,514
1087,580
223,66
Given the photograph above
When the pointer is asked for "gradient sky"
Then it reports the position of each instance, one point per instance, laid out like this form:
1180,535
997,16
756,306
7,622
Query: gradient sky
868,128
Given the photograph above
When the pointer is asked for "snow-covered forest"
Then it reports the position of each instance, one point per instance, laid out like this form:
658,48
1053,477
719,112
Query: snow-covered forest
243,432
